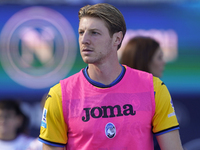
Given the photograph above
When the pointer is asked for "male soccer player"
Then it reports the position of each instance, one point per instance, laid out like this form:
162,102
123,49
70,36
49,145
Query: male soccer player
107,106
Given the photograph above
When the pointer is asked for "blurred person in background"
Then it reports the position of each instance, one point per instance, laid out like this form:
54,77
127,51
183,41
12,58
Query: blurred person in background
144,53
13,126
36,144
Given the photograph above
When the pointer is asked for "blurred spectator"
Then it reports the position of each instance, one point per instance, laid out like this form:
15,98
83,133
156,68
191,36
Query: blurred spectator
13,126
144,53
35,144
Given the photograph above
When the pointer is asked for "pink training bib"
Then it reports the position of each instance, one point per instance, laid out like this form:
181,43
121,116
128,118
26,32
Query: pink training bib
114,118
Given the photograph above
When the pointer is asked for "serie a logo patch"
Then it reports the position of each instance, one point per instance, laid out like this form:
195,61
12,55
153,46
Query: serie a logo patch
110,130
44,118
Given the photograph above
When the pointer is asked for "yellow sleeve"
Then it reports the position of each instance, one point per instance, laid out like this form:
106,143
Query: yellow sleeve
53,129
164,119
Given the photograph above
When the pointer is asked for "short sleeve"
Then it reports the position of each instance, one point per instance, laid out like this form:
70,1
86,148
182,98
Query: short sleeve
53,129
164,119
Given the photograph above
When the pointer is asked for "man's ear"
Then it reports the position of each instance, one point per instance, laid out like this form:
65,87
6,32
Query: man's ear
117,37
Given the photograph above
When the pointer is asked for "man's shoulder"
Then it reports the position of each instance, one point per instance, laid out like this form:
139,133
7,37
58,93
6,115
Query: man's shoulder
157,81
158,84
137,71
138,74
74,75
56,87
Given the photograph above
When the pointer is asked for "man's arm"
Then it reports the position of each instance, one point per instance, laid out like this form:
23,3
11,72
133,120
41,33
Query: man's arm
170,141
48,147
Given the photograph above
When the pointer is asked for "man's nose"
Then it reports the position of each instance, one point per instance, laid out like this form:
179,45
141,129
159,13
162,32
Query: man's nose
85,38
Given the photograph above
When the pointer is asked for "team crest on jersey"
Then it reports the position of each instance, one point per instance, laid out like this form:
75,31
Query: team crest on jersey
110,130
44,118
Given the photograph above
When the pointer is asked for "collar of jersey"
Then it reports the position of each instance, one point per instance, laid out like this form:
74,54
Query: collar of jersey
98,84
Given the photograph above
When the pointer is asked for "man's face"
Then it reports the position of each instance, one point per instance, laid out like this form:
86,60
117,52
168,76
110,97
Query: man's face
9,123
96,45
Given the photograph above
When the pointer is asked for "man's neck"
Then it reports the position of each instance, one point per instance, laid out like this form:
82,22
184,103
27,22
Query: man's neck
104,74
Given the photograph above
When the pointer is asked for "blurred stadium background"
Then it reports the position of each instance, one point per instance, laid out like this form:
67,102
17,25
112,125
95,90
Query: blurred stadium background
39,47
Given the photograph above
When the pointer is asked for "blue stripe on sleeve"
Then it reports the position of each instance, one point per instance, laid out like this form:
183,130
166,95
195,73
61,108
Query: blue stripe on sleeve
166,131
51,143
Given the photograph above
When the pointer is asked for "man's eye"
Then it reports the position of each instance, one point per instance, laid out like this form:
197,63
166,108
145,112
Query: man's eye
81,32
95,32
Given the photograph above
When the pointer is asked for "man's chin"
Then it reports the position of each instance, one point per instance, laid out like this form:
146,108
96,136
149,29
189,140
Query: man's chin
88,61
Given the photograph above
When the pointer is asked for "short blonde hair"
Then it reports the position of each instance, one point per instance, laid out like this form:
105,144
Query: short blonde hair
109,14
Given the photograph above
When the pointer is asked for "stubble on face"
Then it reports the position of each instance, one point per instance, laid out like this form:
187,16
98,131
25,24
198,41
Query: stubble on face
94,40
